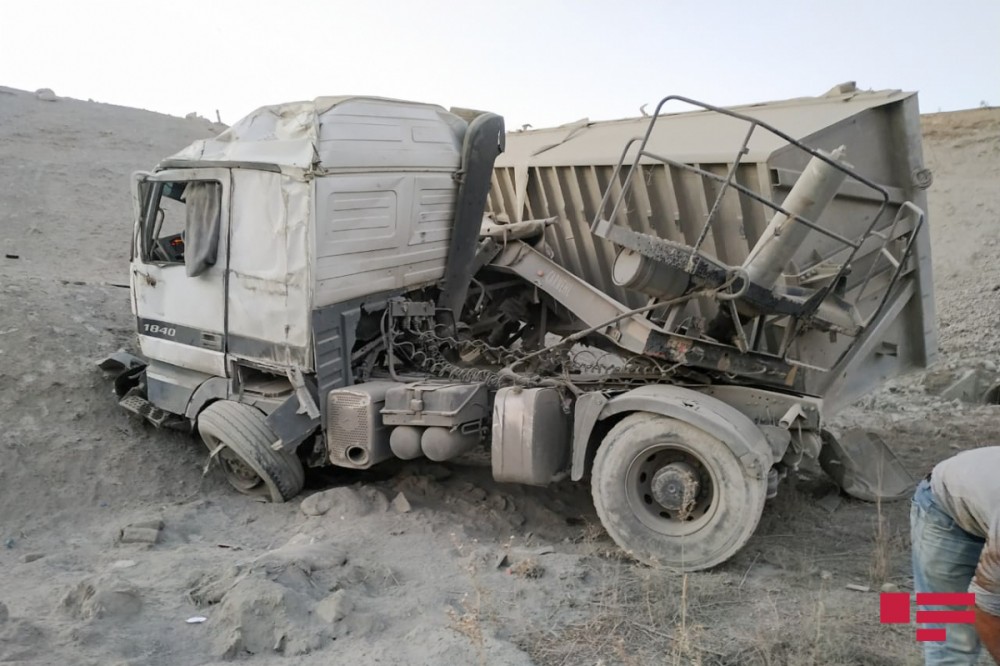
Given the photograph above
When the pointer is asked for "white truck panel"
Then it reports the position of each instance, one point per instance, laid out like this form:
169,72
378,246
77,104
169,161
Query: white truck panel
379,232
269,276
384,135
183,355
176,312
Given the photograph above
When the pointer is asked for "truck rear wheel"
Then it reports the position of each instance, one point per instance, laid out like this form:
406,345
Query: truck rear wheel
249,463
672,495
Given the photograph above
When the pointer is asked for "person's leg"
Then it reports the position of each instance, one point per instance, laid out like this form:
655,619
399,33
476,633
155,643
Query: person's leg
944,560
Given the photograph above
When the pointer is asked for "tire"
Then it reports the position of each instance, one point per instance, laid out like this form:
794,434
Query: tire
249,463
714,521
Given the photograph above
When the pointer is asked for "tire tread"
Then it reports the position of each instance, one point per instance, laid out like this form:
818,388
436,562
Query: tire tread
244,430
636,539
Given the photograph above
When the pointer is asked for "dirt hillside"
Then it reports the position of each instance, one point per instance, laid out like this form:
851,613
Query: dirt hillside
460,570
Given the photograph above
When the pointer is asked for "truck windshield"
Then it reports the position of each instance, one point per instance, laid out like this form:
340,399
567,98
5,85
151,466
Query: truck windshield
181,224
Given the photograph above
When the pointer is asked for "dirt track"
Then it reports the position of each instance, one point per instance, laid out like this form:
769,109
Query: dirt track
475,572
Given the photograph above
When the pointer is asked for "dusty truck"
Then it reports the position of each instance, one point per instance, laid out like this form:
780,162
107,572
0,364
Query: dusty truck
671,307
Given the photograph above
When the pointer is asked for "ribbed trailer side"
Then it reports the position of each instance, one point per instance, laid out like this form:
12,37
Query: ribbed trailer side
564,173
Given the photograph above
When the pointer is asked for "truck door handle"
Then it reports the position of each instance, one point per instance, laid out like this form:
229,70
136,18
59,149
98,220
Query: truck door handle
150,280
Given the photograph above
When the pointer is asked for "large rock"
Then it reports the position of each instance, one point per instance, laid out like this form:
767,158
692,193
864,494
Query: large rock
345,502
102,596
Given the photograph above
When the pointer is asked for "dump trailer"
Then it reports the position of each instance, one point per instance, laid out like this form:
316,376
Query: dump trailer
671,307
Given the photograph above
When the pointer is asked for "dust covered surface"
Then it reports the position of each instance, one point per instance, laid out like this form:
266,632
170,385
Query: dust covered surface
463,570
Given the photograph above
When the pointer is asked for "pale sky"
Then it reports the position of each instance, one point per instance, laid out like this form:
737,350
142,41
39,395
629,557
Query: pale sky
544,62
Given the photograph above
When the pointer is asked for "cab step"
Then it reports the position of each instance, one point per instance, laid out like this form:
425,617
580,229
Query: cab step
138,405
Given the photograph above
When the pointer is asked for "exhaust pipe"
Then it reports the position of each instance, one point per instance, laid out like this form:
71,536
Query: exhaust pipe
810,196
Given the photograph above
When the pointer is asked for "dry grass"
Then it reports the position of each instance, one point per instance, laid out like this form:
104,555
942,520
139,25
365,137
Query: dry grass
528,568
685,648
889,544
780,601
636,616
468,620
882,550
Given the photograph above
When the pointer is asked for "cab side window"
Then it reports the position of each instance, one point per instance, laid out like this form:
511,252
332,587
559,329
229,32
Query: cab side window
181,224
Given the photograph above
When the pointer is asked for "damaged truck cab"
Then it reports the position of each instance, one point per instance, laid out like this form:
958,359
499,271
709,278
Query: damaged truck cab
352,280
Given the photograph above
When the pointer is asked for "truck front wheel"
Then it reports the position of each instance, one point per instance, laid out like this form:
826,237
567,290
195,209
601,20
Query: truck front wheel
672,495
240,439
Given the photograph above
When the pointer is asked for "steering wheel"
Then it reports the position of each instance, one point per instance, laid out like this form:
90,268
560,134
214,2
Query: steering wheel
170,248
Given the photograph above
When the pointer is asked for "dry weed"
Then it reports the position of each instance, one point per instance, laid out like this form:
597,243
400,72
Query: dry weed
637,616
881,563
685,648
818,646
528,568
469,622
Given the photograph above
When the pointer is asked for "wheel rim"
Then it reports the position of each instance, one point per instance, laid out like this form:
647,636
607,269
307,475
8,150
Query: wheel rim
238,473
671,490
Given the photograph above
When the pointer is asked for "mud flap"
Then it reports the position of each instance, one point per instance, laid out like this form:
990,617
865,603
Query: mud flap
864,467
297,417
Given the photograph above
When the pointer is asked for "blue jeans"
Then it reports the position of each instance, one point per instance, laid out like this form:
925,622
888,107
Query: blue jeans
944,560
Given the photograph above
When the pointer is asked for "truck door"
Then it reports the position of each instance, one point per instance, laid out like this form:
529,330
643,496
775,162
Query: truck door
179,257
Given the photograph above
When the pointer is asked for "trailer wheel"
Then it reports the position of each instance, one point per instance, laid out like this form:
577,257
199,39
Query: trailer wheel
672,495
249,463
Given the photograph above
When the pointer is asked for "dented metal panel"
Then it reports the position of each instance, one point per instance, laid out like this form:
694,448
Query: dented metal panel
385,134
334,199
531,436
181,319
334,133
384,197
689,136
380,231
269,286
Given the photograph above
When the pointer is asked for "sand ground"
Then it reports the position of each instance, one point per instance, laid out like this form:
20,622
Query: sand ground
474,572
